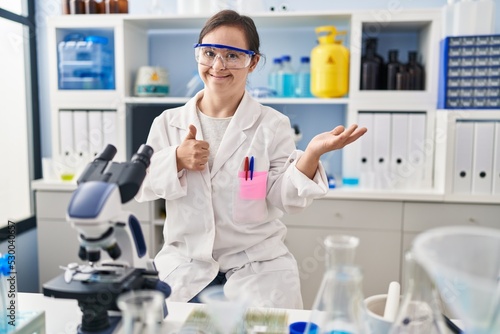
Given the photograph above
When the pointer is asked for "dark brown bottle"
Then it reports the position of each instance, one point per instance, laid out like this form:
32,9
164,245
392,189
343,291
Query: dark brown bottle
94,6
402,79
77,6
393,67
368,61
370,71
66,7
416,72
116,6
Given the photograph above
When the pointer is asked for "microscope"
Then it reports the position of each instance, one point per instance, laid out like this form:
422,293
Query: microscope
95,211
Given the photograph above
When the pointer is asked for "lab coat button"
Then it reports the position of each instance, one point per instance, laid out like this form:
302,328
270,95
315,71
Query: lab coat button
292,160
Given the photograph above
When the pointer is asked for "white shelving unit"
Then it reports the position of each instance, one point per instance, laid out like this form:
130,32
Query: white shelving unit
389,218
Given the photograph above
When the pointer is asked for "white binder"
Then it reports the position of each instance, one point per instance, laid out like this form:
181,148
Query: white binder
482,163
464,144
496,160
95,132
109,128
366,176
81,132
417,155
66,146
382,149
399,150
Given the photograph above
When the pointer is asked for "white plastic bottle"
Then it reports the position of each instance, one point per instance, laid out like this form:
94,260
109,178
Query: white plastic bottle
286,78
303,78
273,76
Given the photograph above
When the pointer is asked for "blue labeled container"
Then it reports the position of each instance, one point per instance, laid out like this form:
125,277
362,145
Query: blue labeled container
86,63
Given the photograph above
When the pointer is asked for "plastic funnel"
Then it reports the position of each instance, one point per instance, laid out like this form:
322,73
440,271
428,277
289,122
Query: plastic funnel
464,263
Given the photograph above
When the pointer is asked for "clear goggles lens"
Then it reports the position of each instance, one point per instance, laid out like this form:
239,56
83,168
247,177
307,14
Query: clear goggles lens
231,57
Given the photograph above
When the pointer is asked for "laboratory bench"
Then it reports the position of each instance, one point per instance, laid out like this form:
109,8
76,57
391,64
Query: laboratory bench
385,221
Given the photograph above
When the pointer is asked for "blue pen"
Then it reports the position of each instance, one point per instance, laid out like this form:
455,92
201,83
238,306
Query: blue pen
251,167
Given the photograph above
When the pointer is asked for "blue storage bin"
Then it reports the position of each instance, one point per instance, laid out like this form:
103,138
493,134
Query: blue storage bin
470,72
86,64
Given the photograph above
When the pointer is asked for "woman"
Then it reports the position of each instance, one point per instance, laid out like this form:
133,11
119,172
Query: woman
228,169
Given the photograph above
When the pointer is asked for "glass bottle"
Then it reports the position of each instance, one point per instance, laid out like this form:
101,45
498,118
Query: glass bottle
142,311
77,6
420,310
416,72
370,71
393,67
339,306
372,62
116,6
303,78
402,79
66,7
273,76
286,78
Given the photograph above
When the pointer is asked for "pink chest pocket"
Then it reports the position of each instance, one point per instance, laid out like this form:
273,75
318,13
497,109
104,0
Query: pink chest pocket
255,188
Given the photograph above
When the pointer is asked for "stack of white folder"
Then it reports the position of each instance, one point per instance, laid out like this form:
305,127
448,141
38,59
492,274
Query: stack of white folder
86,132
477,157
393,153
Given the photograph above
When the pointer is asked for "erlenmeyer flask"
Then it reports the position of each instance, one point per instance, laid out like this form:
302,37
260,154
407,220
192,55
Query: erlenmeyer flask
420,310
339,307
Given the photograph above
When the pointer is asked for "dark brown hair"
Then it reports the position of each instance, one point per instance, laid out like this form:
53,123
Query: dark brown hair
231,18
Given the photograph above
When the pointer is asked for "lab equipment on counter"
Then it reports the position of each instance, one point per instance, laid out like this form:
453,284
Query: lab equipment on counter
329,64
339,306
142,311
95,212
86,63
463,262
152,81
227,314
420,310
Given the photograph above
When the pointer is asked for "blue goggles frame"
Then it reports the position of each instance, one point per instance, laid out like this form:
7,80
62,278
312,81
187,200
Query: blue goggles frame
222,46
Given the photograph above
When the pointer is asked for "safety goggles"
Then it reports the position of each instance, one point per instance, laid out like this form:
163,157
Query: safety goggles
231,57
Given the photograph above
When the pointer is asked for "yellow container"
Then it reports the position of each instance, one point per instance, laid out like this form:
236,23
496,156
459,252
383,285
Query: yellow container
329,65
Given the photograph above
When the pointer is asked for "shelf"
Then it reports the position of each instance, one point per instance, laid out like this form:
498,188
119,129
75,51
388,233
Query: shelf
262,20
183,100
426,195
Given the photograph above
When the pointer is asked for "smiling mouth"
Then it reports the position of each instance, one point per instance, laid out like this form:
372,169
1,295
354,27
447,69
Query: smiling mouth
219,76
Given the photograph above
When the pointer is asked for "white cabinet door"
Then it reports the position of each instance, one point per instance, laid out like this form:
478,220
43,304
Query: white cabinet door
376,223
378,256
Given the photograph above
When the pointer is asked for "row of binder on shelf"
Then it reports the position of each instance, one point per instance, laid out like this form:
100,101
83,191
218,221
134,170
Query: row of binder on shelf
392,154
476,168
86,132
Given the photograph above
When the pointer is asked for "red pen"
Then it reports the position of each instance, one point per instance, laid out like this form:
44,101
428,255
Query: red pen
246,168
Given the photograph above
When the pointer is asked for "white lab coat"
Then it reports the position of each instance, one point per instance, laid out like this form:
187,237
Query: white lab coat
209,228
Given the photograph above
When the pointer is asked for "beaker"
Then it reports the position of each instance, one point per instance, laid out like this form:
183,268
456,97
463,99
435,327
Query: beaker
339,306
227,314
420,310
142,311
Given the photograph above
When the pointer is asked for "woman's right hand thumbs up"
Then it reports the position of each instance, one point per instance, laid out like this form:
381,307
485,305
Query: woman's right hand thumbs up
192,154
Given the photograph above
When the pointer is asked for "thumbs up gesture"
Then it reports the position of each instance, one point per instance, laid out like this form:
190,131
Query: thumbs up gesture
192,154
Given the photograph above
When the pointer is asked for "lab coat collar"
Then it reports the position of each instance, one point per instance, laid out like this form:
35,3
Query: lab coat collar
247,113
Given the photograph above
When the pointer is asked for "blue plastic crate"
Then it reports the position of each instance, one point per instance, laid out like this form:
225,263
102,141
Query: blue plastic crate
469,75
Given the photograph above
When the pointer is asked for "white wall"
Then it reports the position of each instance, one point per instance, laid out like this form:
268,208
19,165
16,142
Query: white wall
47,8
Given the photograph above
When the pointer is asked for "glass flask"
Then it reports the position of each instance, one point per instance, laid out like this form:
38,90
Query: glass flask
142,311
420,310
339,307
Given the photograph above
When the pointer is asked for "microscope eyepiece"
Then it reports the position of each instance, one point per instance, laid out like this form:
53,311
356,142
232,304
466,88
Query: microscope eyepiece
114,251
143,155
107,154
